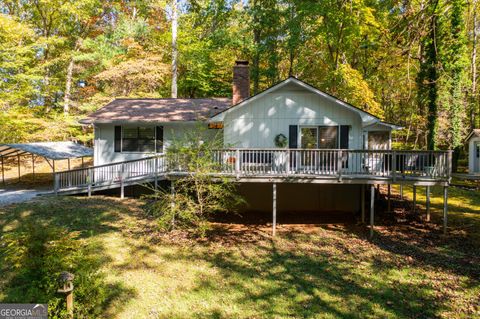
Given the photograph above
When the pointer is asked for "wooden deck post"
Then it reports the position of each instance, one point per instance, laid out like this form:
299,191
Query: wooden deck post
362,203
172,204
427,203
388,198
122,186
414,199
372,207
287,164
56,183
237,163
393,169
445,209
274,209
89,182
68,163
156,173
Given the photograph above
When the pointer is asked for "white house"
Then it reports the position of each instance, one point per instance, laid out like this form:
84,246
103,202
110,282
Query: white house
127,129
473,140
319,150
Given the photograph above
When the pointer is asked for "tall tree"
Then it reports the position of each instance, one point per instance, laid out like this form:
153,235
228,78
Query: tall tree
427,78
174,47
474,104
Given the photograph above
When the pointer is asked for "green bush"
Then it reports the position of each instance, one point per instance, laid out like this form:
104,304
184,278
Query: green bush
198,194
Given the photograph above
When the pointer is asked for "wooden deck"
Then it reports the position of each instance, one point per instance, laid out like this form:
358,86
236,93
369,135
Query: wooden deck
423,168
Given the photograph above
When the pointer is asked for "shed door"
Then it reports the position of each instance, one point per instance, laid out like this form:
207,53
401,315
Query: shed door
476,157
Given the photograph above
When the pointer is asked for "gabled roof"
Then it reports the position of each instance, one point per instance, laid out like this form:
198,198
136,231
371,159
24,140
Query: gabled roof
367,118
157,110
473,133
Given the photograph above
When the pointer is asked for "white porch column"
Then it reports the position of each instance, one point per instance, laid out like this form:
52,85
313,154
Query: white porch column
372,206
362,203
274,209
172,204
445,209
389,198
427,203
414,199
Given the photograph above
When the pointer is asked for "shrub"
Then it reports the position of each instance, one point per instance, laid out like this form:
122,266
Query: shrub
198,193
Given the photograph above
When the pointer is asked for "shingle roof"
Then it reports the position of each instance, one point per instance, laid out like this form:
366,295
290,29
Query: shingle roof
157,110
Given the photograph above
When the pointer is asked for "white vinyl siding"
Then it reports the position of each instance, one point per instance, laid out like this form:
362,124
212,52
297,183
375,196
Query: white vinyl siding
473,160
257,123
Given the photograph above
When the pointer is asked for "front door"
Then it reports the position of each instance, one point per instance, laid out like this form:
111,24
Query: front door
308,141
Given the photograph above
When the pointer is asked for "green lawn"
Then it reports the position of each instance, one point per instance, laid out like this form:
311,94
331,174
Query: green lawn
126,269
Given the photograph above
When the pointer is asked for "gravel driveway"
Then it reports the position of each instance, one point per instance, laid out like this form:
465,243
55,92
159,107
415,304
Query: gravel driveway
11,196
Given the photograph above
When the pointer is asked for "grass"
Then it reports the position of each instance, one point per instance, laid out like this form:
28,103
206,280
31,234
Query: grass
331,271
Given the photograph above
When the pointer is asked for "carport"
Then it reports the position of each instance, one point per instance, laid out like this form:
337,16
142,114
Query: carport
50,151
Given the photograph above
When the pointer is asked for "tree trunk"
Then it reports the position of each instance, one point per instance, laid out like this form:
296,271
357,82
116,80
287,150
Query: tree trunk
68,87
432,77
174,47
256,47
475,116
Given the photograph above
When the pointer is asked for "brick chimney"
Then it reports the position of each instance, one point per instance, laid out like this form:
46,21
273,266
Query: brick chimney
241,81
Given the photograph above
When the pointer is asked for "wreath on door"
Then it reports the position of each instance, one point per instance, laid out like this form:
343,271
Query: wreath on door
280,140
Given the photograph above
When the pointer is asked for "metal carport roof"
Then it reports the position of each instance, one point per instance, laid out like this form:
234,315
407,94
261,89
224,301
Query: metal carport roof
49,150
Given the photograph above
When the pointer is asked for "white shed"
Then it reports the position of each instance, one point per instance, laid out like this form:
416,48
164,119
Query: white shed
473,140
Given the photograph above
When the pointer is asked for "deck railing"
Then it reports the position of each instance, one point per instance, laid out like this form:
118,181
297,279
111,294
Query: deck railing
368,164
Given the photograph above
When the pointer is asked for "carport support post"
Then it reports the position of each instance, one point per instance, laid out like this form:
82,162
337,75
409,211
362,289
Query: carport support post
427,203
33,167
372,206
3,171
445,209
18,158
274,209
362,203
414,199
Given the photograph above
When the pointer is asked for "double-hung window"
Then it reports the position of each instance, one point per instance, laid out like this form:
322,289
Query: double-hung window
141,139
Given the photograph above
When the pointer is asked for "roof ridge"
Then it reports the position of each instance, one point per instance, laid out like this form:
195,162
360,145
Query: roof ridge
172,98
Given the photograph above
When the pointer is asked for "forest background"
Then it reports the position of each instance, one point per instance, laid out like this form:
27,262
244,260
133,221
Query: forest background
412,63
